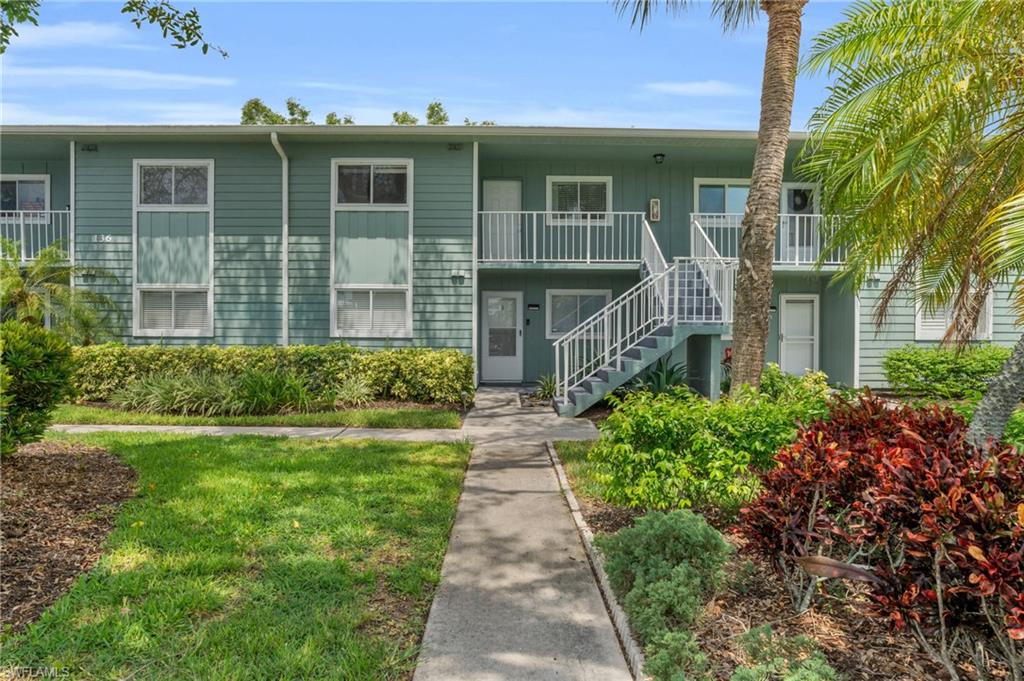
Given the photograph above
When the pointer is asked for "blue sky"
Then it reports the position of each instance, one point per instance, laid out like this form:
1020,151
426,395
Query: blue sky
550,63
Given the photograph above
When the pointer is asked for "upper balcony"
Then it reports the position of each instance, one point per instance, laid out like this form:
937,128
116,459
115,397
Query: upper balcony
552,239
800,240
34,230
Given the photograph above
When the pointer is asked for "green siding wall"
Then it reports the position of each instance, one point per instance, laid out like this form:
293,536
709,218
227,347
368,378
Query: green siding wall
442,240
371,247
173,248
247,231
898,328
538,355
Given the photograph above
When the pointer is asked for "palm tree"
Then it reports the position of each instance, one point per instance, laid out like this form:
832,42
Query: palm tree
41,289
757,236
920,144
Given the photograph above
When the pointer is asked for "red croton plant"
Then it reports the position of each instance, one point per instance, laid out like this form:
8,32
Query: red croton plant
897,499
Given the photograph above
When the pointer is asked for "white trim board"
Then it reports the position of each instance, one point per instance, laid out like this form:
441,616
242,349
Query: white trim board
138,207
406,207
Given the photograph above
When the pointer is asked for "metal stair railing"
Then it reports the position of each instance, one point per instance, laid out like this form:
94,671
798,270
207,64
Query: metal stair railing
601,341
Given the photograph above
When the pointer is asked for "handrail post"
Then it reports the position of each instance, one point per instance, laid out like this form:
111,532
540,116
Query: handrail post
21,231
589,229
558,375
533,248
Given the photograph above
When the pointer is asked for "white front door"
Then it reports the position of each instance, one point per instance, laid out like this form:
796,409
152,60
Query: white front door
503,336
798,333
502,231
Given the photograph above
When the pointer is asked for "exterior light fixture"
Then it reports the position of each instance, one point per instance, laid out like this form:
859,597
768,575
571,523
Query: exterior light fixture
458,277
659,158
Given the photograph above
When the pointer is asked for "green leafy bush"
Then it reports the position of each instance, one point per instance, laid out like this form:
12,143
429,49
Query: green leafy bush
943,373
547,386
203,393
676,656
442,376
664,568
661,377
35,377
677,448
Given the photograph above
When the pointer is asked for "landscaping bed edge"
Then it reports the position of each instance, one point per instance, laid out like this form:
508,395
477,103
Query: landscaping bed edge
633,653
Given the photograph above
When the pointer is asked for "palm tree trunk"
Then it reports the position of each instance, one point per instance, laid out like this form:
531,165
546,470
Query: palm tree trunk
757,240
1002,397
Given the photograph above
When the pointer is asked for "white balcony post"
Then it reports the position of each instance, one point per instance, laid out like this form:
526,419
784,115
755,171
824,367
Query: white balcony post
21,232
533,247
589,230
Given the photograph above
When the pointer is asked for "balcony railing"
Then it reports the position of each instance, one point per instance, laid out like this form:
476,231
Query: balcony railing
800,240
508,237
34,230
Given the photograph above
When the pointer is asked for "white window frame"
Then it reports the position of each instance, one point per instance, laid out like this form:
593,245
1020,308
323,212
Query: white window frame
31,177
337,163
407,207
927,335
549,308
549,182
137,289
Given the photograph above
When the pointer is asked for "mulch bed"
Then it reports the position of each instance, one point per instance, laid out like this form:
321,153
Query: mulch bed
59,501
860,648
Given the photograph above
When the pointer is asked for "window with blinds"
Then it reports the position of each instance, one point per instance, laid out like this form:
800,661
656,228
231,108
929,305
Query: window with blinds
931,325
577,198
372,312
170,310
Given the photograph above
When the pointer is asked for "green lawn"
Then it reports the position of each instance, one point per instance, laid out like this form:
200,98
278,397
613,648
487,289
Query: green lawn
581,472
398,417
258,558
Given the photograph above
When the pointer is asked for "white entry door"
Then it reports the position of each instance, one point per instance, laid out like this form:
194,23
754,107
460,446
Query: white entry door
502,225
502,358
798,333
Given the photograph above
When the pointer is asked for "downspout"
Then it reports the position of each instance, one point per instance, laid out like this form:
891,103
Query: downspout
71,207
284,236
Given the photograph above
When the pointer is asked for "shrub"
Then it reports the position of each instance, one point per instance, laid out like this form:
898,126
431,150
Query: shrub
943,373
253,392
664,568
442,376
939,521
415,374
676,656
661,377
547,386
354,391
678,449
35,377
778,658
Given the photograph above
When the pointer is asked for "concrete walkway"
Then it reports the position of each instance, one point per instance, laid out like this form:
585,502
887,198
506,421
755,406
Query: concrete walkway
517,598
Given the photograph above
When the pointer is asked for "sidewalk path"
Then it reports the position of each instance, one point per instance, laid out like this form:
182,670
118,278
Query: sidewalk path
517,598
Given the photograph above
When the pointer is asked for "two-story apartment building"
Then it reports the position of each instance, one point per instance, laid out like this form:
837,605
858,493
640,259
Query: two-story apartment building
583,252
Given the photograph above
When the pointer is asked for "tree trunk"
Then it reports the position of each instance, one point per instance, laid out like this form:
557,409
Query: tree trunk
757,238
1003,395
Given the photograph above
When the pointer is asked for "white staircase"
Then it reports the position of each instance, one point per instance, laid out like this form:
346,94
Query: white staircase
671,303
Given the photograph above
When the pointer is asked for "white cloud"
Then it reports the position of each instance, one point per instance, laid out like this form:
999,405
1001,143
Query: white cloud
110,78
697,88
13,113
350,88
75,34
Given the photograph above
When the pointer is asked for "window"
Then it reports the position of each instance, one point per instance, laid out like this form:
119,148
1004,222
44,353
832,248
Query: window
375,312
567,308
371,251
174,185
721,195
24,192
371,184
588,195
172,243
931,325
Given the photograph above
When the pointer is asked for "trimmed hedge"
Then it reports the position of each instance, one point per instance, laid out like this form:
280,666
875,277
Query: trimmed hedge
442,376
35,375
943,373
